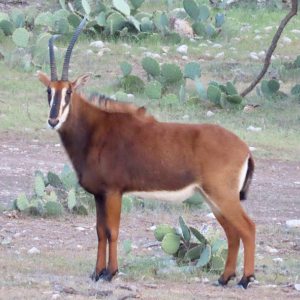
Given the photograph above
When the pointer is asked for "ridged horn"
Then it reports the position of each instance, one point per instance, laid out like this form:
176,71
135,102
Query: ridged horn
65,71
52,58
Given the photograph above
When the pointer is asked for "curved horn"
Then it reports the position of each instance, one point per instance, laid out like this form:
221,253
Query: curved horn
52,58
65,71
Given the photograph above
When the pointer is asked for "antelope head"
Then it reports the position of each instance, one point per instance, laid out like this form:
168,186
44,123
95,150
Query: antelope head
61,92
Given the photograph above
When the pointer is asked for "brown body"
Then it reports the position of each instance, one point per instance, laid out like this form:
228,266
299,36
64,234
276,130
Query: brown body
117,148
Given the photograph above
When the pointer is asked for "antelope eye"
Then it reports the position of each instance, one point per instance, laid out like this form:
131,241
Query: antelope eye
69,92
49,91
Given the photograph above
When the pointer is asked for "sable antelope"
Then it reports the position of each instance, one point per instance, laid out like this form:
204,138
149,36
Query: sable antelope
116,149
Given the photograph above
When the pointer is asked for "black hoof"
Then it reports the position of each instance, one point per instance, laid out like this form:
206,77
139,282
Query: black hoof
104,275
222,282
246,280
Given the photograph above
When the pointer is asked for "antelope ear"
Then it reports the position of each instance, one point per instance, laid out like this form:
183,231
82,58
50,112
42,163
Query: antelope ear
43,78
81,81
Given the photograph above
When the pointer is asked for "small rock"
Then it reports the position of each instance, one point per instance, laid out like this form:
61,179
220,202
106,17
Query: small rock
202,45
216,46
254,56
182,49
185,117
151,228
293,223
156,55
98,44
268,28
55,296
184,57
262,54
237,39
165,49
148,53
79,247
297,287
193,40
220,54
6,242
210,215
58,287
232,49
100,53
207,54
130,96
197,279
205,280
295,31
209,113
57,145
126,45
252,128
258,37
143,48
270,249
256,31
80,228
278,259
33,250
271,286
286,40
252,148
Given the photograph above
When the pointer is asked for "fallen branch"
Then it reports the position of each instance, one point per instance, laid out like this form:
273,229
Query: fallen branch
272,48
134,296
89,293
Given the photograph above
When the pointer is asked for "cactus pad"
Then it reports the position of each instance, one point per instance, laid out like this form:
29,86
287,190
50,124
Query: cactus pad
127,246
170,99
217,245
273,86
153,90
160,20
217,263
39,186
21,37
264,87
170,243
53,209
146,25
132,84
7,27
204,12
295,89
162,230
136,3
62,25
126,204
54,180
199,28
234,99
4,16
191,70
122,7
214,94
192,9
195,252
171,73
44,19
51,197
22,202
41,48
204,257
70,181
200,88
86,7
116,22
220,19
185,229
71,199
126,68
151,66
211,31
230,89
199,236
74,20
196,199
181,95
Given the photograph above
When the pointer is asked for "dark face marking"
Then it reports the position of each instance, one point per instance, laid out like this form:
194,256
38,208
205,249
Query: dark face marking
54,112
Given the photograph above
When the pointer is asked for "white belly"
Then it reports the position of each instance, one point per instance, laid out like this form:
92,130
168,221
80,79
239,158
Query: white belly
170,196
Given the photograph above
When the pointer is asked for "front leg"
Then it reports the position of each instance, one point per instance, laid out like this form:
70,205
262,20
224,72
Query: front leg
108,208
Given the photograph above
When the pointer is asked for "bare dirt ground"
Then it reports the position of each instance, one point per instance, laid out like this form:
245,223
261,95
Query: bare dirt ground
68,253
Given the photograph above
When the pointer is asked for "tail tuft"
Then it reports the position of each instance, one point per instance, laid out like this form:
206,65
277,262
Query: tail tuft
249,175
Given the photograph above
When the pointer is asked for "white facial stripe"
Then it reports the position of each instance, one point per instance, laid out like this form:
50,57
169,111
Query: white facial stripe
170,196
52,94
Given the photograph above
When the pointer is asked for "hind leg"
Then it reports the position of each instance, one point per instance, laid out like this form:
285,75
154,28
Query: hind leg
236,223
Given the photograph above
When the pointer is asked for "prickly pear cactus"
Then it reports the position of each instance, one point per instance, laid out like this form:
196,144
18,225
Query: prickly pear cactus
162,230
54,180
160,20
273,86
146,25
51,197
136,3
192,9
45,19
116,22
185,229
170,243
230,89
21,37
295,89
126,204
4,16
214,94
71,199
217,245
132,84
217,263
234,99
195,252
41,48
74,20
127,246
151,66
199,236
122,7
53,209
39,186
211,31
191,70
204,12
153,90
173,38
170,99
62,26
196,199
219,19
181,95
171,73
22,202
7,27
204,257
70,181
199,28
126,68
201,91
17,17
